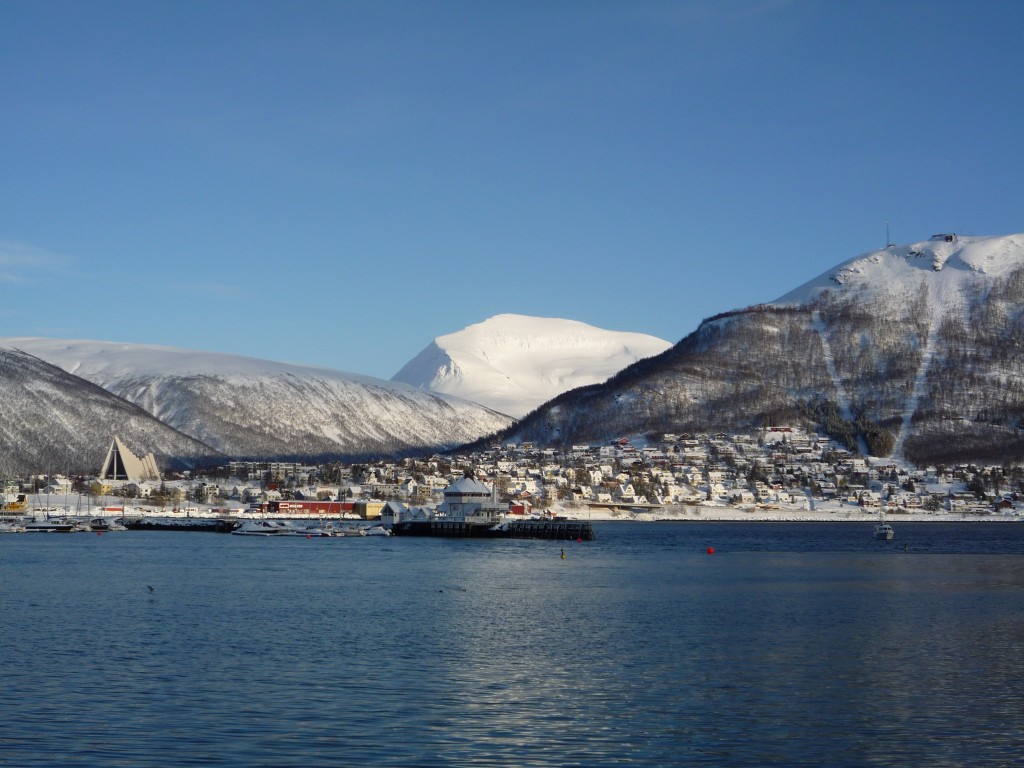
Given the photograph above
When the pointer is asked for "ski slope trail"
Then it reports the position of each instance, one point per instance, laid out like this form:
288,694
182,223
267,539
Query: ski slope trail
830,366
920,382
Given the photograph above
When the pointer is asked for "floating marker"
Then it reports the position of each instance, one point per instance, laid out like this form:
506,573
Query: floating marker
711,550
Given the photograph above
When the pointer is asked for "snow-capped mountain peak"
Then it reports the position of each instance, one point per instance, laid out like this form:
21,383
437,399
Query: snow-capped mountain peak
513,363
944,260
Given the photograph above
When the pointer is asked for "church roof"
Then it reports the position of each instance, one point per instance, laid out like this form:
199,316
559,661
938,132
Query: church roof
466,486
122,464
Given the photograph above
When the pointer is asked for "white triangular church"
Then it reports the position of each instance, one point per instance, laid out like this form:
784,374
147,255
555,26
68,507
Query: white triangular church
123,465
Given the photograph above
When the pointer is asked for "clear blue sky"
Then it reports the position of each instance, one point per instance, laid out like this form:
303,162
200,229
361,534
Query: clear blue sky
337,183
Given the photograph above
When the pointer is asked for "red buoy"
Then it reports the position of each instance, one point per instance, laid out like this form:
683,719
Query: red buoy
711,550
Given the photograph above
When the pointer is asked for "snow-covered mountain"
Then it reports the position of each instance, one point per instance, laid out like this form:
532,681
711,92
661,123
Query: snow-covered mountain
950,267
913,351
513,363
247,407
53,421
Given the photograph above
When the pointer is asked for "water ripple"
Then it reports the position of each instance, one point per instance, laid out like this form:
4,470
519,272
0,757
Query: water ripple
638,649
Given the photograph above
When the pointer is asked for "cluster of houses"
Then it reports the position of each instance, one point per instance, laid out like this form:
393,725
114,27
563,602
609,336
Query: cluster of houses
778,467
774,467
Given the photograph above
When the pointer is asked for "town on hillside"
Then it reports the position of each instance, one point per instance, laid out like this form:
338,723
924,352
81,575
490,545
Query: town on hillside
772,469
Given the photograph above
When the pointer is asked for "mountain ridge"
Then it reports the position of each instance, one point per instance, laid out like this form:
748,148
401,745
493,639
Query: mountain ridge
251,408
914,352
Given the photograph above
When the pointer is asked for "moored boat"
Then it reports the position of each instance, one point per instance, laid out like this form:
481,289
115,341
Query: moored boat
281,528
57,525
265,528
103,525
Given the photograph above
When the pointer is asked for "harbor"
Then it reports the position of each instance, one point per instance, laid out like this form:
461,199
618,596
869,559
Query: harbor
471,510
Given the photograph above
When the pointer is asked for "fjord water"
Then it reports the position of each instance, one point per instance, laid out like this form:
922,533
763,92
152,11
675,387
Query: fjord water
794,644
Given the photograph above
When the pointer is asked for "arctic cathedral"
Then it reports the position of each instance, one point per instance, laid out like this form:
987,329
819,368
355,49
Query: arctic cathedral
123,466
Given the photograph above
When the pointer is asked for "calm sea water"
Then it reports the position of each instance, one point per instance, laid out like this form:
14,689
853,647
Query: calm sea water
792,645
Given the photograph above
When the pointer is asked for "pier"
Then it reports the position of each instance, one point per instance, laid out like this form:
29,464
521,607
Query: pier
563,530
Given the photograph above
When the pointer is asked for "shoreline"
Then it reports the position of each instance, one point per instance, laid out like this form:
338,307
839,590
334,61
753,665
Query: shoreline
708,513
831,514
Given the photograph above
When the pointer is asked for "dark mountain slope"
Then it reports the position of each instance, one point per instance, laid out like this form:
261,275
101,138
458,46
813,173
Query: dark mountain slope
915,352
53,421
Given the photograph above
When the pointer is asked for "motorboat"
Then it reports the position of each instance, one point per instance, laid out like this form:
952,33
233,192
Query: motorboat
321,529
102,525
56,525
265,528
884,531
338,529
278,528
349,529
345,529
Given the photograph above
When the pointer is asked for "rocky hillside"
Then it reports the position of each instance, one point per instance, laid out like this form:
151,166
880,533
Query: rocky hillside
913,351
246,407
51,421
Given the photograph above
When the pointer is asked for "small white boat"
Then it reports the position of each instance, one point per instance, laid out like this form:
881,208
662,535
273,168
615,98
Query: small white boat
278,528
102,525
883,531
264,528
316,530
11,526
338,529
376,530
58,525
